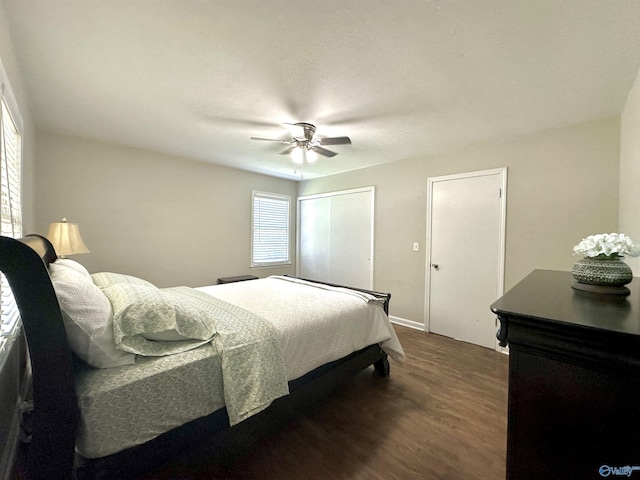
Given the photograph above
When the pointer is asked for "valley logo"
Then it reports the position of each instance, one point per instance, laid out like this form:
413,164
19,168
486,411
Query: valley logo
626,471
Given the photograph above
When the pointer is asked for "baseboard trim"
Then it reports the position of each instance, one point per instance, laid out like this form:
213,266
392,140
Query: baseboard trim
407,323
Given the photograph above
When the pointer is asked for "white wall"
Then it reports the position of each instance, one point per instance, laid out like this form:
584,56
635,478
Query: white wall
630,170
562,186
170,220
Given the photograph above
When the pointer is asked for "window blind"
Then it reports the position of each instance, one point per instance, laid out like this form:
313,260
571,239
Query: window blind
10,212
270,229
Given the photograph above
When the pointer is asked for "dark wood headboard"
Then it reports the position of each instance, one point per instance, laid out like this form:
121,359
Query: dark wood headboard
55,417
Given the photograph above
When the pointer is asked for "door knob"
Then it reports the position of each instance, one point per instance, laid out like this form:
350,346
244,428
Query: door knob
435,265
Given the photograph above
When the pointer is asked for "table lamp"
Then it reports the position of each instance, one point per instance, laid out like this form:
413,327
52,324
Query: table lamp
65,238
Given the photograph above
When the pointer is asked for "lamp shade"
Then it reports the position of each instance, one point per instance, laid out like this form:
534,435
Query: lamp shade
65,238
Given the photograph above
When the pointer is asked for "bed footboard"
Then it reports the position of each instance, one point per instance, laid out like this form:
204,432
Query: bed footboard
386,297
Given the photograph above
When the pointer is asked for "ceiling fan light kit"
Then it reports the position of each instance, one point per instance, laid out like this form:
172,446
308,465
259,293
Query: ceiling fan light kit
304,148
301,155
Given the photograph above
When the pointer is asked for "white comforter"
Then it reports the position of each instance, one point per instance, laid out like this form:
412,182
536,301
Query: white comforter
129,405
335,322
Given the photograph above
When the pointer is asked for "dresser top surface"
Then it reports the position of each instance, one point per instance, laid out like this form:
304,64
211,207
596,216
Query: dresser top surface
547,295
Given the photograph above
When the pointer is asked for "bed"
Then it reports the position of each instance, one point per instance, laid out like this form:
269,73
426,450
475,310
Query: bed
163,378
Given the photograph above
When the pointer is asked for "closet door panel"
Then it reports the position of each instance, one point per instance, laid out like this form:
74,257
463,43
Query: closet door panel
335,237
314,238
350,259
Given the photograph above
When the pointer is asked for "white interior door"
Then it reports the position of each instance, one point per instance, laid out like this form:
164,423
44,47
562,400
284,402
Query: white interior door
335,237
466,252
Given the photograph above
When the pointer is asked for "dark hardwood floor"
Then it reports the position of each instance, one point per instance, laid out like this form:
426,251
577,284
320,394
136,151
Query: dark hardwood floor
442,415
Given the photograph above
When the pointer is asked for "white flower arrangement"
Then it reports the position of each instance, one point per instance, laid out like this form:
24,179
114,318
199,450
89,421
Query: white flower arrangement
607,245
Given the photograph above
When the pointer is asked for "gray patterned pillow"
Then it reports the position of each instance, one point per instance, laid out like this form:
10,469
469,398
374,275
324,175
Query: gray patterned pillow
104,279
143,315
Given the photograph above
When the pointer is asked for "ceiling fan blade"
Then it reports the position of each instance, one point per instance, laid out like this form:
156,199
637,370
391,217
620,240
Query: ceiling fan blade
287,151
269,139
334,141
324,152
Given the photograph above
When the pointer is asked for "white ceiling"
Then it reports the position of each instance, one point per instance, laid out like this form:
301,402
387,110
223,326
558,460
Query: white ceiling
197,78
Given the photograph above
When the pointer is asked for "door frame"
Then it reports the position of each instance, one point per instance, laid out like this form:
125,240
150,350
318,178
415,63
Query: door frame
502,171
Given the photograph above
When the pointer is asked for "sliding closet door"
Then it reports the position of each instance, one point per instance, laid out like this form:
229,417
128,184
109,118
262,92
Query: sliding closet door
314,238
335,237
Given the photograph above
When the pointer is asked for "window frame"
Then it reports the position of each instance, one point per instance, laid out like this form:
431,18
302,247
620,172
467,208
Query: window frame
261,263
8,104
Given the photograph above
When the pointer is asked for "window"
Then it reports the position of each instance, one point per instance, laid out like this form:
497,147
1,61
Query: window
270,229
10,213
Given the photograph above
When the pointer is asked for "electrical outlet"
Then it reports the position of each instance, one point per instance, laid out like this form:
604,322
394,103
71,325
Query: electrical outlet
416,246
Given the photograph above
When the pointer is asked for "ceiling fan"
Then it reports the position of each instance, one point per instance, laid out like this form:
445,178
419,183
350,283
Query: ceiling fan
303,147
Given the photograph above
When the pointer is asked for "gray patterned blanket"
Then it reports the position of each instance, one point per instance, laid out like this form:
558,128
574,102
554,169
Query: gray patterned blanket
253,370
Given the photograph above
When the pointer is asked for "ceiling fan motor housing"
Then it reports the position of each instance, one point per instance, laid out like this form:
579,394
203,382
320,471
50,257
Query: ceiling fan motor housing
309,131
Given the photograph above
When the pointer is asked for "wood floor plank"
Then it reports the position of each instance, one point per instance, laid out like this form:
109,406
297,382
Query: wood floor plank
442,416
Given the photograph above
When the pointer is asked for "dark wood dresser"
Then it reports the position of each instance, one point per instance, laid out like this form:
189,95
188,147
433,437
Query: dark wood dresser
574,380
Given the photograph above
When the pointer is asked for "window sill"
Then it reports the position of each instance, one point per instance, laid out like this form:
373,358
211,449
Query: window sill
273,265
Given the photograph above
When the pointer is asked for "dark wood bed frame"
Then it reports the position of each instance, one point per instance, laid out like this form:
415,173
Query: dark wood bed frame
51,453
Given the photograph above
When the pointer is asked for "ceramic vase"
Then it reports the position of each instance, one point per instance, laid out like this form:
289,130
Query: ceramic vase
605,271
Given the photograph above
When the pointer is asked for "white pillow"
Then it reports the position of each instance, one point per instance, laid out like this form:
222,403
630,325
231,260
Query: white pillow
72,264
88,319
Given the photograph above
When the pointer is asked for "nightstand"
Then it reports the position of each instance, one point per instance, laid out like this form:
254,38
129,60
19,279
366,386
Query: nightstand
239,278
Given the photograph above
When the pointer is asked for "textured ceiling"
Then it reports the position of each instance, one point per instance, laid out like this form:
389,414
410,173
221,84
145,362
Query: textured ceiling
197,79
